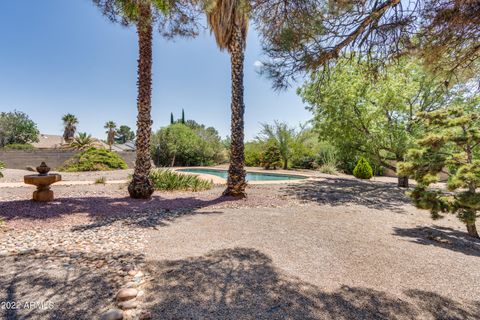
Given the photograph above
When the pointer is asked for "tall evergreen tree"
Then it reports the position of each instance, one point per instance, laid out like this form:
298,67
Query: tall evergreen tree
451,146
172,121
183,116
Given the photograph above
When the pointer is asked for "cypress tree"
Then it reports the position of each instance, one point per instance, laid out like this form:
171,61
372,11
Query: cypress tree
171,118
363,170
183,116
451,146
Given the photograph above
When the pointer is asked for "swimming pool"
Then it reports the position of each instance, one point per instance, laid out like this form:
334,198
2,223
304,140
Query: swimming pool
251,176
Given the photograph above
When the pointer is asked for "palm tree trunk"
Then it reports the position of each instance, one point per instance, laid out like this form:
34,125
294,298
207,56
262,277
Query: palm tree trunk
236,172
141,186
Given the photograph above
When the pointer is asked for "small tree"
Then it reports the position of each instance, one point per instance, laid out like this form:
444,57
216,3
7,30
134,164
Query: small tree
271,158
363,170
82,141
124,134
17,128
451,146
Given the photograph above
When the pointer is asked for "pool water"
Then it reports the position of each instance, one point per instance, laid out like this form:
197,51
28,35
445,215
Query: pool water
251,176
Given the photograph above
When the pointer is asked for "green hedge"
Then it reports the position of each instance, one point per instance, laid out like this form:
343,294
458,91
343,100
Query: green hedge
94,160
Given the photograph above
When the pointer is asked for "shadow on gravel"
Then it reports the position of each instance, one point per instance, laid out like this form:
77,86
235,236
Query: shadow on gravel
242,283
340,191
443,237
60,285
106,210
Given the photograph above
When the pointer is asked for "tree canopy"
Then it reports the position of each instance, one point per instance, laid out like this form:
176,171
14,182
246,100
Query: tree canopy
373,116
17,128
306,36
124,134
187,145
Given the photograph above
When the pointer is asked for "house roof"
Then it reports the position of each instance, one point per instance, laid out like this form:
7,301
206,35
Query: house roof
51,141
48,141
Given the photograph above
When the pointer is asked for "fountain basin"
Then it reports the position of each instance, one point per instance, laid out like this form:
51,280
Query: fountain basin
42,182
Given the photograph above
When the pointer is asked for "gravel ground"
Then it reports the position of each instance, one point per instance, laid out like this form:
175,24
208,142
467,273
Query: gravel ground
15,175
330,248
354,250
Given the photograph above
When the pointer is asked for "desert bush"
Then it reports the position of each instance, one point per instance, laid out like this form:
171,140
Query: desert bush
363,170
94,160
169,180
101,180
328,168
18,146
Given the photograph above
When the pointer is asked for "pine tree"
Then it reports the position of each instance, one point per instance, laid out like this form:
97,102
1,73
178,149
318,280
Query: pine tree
183,116
451,146
171,118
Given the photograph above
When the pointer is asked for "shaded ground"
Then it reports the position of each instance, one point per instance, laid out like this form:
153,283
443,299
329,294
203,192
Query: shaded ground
332,248
243,283
61,284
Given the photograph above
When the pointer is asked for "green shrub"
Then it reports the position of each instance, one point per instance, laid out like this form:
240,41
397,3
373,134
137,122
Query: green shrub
94,160
253,154
305,162
19,146
2,166
363,170
271,157
170,180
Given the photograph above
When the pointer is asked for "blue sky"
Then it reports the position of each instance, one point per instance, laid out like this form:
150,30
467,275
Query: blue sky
62,56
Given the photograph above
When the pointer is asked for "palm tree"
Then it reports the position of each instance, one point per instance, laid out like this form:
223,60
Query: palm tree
69,122
82,141
282,136
228,21
142,14
110,126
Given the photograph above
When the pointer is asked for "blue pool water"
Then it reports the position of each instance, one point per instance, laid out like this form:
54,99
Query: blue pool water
251,176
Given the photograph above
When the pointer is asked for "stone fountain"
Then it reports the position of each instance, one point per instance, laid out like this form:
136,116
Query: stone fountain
42,180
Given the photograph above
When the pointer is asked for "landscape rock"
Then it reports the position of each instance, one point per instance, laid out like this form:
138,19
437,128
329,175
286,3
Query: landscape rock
112,314
145,315
126,294
131,284
130,304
